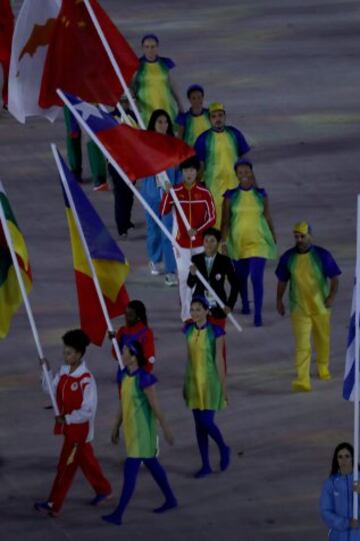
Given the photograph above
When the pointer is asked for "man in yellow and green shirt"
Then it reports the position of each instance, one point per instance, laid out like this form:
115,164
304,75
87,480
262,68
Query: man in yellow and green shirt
313,276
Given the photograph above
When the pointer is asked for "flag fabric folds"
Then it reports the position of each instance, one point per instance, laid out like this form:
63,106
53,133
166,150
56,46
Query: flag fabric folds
110,264
6,33
140,153
77,61
10,294
32,35
349,377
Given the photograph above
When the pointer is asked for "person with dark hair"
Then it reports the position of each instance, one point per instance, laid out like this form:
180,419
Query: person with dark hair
217,269
136,328
204,386
138,412
158,245
75,390
199,209
313,275
217,149
248,235
153,84
336,501
196,120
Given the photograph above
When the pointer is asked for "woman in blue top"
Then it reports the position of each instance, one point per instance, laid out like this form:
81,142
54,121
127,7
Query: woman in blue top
158,245
336,503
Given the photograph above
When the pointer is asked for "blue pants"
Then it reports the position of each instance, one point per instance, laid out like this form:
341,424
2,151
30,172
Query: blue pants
204,427
254,266
131,470
158,245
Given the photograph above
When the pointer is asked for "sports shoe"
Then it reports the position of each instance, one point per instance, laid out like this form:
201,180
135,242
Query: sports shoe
171,279
104,187
45,507
100,499
153,269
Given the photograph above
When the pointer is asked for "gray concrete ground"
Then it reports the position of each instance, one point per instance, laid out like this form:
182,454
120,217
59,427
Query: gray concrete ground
287,71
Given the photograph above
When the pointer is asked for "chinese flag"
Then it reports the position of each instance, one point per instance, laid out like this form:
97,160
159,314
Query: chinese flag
6,32
77,62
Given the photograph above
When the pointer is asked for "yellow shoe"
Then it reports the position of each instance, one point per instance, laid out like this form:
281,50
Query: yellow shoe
325,375
300,387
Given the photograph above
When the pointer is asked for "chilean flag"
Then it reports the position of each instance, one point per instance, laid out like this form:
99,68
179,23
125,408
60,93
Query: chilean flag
140,153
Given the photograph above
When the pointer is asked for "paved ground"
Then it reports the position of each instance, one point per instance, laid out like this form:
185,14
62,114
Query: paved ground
287,71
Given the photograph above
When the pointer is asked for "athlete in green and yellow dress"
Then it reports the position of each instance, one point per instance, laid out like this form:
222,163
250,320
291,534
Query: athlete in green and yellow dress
204,387
218,149
138,412
153,85
196,120
248,235
313,276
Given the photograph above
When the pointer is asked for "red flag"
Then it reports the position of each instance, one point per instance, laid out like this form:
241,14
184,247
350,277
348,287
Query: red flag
141,153
77,62
6,33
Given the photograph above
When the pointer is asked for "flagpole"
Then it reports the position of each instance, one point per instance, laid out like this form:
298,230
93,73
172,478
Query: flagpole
357,363
28,309
88,255
142,200
162,176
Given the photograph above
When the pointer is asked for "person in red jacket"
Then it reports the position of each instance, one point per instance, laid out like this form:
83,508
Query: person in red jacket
137,329
76,396
199,208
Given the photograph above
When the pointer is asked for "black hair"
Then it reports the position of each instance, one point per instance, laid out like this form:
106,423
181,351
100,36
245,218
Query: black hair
140,310
213,232
136,350
76,339
190,162
201,300
155,115
150,36
194,88
335,464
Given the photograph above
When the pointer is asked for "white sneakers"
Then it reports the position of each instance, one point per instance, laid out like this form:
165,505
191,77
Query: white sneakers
153,269
171,280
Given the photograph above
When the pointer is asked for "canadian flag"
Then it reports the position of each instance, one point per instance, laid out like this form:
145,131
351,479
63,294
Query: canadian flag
58,47
32,35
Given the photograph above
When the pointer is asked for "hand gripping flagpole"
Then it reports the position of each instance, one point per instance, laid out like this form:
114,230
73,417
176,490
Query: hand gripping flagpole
28,310
88,255
357,364
142,200
162,176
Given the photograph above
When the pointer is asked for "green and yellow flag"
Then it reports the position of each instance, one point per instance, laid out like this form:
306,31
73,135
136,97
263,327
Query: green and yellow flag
10,294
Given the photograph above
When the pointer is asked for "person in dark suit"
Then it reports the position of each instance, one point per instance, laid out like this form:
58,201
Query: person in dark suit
216,268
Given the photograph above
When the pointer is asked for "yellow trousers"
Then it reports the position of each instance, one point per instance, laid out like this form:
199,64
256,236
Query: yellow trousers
304,327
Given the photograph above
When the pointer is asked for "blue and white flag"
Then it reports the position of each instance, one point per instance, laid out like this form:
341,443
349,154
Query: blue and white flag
349,376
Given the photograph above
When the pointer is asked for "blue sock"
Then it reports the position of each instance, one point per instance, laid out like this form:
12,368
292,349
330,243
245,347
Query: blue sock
160,477
131,469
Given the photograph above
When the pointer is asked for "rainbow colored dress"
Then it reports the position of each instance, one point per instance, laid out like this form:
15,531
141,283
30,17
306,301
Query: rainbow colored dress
152,88
219,152
202,386
249,232
194,125
308,274
139,422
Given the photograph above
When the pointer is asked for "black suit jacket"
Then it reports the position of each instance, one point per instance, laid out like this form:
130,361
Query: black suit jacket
221,271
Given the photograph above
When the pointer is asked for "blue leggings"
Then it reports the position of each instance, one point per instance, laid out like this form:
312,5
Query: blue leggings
254,266
205,426
131,470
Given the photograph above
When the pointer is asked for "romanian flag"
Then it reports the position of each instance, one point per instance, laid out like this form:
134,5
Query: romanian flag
10,294
140,153
110,264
